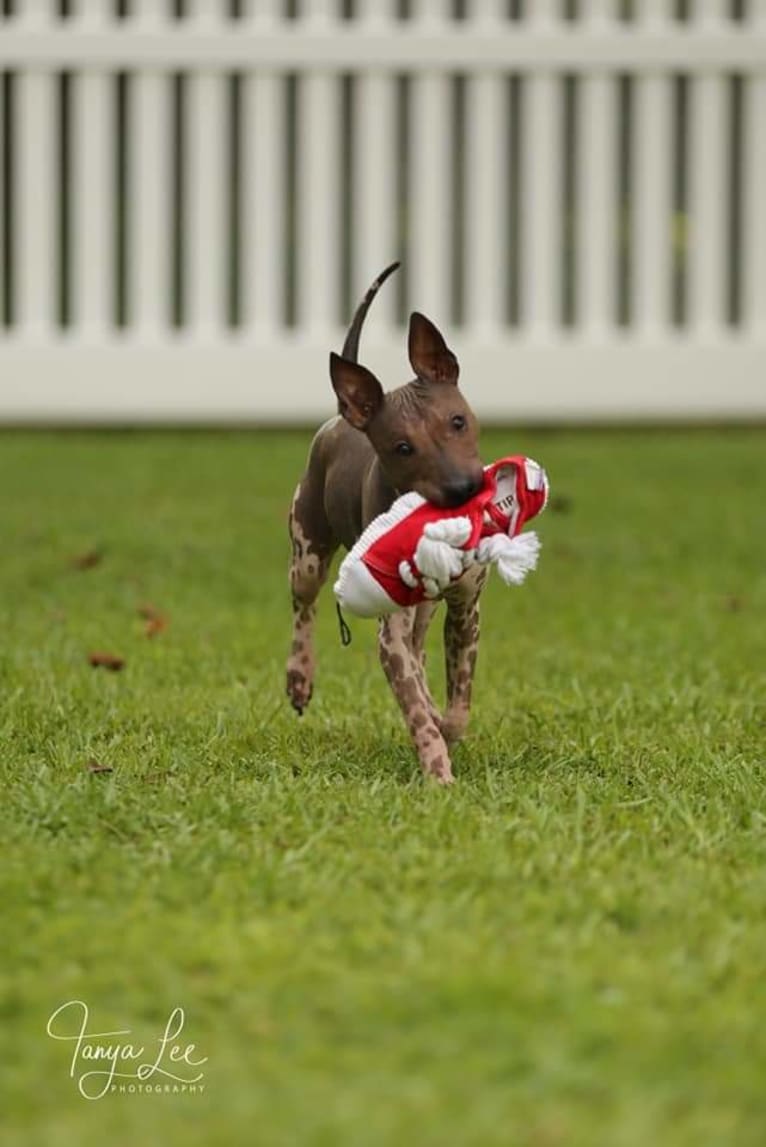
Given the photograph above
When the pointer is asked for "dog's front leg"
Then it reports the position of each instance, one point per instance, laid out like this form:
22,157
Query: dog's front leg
423,614
402,668
461,647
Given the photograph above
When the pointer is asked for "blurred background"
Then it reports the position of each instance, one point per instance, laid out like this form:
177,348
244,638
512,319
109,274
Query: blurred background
195,193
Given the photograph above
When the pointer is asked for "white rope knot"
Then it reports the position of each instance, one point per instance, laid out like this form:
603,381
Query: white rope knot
440,559
514,557
438,554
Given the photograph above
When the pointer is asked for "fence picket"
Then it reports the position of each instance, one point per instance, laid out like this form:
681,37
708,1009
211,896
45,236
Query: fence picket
35,189
4,286
318,192
652,204
264,187
707,232
486,145
754,229
92,249
149,161
597,198
541,192
429,229
204,186
374,170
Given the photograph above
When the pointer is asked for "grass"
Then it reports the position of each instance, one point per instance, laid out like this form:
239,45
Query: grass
568,947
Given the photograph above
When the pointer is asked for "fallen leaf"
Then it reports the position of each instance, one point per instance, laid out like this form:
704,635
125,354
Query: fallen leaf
156,621
96,767
734,603
87,560
155,625
106,661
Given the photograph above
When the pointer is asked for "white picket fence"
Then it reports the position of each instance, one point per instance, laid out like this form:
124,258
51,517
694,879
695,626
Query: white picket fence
193,195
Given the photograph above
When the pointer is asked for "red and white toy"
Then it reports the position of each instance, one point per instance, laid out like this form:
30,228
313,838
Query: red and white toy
414,550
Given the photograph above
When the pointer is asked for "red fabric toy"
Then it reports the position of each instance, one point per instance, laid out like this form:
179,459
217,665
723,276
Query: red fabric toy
414,550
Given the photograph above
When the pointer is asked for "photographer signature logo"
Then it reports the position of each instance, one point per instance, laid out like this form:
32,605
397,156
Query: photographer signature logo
96,1057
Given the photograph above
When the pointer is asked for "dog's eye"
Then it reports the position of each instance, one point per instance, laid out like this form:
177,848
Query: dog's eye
458,422
405,449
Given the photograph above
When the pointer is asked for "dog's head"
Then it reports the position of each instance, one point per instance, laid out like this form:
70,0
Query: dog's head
424,433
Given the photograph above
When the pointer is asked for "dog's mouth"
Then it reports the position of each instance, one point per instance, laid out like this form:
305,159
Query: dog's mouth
457,492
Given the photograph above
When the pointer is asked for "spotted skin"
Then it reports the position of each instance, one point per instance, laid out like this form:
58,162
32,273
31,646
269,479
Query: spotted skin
309,563
402,668
423,616
461,647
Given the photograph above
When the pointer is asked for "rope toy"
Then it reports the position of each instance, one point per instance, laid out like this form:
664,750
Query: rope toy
413,551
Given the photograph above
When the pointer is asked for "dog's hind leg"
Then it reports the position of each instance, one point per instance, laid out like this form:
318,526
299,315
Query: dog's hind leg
312,549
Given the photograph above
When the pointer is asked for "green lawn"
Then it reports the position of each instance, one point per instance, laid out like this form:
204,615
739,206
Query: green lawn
567,947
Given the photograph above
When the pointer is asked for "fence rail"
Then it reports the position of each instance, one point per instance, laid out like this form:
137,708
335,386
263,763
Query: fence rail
422,45
193,195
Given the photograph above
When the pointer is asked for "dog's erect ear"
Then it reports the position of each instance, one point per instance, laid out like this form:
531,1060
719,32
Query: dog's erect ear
430,357
360,395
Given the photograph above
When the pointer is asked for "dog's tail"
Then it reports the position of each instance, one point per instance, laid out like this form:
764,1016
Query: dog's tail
351,344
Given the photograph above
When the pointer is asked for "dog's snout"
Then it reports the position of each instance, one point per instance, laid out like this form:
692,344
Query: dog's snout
460,490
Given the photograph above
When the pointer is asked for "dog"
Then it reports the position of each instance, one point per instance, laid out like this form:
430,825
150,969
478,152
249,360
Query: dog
422,436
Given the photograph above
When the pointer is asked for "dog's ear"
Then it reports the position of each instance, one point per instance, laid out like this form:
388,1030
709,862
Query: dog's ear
430,357
360,395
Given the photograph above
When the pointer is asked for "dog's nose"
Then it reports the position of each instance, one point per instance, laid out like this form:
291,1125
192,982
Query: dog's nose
460,491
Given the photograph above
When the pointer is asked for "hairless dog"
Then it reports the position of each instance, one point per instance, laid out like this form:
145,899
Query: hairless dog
421,436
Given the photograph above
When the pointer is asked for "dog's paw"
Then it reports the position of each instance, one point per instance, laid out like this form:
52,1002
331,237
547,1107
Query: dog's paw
441,776
299,690
453,726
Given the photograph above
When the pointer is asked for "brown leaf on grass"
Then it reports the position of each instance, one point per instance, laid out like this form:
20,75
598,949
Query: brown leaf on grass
155,625
156,621
94,766
734,603
88,559
111,661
